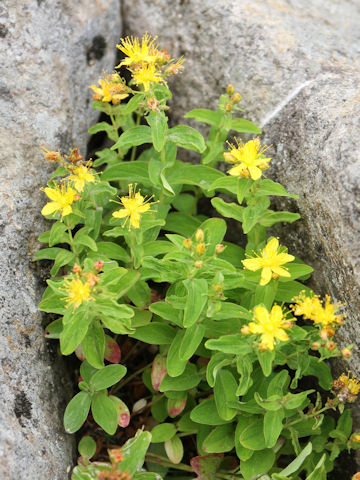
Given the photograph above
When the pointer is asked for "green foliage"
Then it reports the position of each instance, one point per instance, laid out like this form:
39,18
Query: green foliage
226,367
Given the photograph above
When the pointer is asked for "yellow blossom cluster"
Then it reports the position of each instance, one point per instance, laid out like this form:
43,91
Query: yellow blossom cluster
147,63
248,159
63,195
270,261
312,308
112,89
133,206
270,325
78,287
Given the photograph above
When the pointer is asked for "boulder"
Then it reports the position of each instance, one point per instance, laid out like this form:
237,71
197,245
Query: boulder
50,52
297,70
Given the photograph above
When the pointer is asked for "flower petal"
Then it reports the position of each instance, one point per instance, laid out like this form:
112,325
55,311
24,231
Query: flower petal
266,275
253,264
50,208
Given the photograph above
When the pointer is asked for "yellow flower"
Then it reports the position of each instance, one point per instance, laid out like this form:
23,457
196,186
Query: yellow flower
312,308
270,262
81,175
136,53
271,325
146,74
248,159
112,89
77,292
352,384
134,205
62,198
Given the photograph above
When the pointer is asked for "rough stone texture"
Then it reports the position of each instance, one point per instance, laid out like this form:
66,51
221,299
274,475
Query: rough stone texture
296,66
50,52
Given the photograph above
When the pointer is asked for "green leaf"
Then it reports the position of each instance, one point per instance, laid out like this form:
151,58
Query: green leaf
134,452
205,116
93,344
225,392
320,370
107,376
197,291
259,463
296,270
252,437
58,234
192,339
244,367
74,332
221,439
162,432
187,137
206,413
235,344
265,294
268,187
266,359
48,253
87,447
82,238
244,126
182,224
296,400
158,125
175,366
104,410
299,460
113,251
174,449
288,290
273,426
134,136
270,218
102,127
189,174
185,381
76,412
54,329
64,257
133,103
279,384
136,172
167,312
228,210
155,333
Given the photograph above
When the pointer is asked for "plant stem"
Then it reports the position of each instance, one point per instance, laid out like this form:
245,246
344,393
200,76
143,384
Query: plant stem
129,378
120,154
71,241
133,151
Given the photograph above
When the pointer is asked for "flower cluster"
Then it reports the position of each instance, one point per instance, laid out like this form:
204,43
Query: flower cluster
147,63
112,89
346,388
270,262
79,285
312,308
248,159
63,195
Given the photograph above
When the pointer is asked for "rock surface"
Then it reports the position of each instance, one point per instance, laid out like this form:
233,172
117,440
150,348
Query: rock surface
297,70
50,52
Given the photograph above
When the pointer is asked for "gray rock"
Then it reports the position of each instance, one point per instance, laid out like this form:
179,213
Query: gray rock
296,67
50,52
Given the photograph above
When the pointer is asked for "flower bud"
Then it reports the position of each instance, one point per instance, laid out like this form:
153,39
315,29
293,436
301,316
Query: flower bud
98,265
187,243
228,107
153,104
230,89
327,332
356,476
200,248
245,330
198,264
315,345
275,276
330,345
219,248
199,235
236,98
346,352
76,268
218,288
228,157
355,438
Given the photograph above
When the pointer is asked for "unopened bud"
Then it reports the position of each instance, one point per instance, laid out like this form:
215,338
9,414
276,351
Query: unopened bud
228,107
199,235
275,276
236,98
219,248
77,197
327,332
76,269
153,104
230,89
228,157
315,345
98,265
187,243
330,345
218,288
356,476
262,347
355,438
200,248
245,330
346,352
198,264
